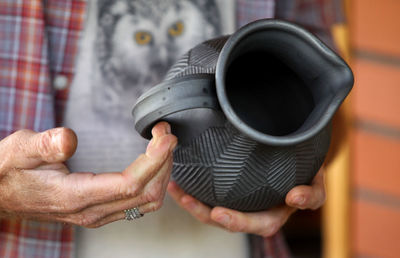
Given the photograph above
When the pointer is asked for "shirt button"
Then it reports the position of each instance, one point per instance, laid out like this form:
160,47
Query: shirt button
60,82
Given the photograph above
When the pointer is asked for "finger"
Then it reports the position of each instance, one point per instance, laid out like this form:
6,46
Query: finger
175,191
81,221
55,192
88,189
265,223
109,219
308,197
149,201
61,167
158,131
102,214
195,208
29,149
159,148
105,187
90,221
156,188
95,221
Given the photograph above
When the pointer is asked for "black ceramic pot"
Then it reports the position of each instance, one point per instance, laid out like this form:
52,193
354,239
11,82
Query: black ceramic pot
252,113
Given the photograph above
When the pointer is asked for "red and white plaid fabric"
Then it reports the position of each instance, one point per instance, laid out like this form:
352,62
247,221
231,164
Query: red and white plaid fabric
39,40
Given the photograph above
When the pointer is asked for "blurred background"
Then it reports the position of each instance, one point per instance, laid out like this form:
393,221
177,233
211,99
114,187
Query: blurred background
362,215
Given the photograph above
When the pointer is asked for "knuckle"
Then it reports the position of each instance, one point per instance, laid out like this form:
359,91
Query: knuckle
70,207
318,205
80,221
271,229
154,193
135,189
236,226
126,191
155,206
123,192
319,201
274,227
85,220
158,205
240,227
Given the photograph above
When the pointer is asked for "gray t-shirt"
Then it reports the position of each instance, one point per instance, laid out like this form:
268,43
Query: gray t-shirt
127,47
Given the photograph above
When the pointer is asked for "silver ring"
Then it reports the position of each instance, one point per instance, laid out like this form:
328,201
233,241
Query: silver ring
133,213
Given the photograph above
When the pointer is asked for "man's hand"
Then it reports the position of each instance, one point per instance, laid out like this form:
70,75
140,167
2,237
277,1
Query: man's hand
263,223
35,184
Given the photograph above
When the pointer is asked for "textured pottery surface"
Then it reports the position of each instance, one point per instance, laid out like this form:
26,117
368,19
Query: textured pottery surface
252,113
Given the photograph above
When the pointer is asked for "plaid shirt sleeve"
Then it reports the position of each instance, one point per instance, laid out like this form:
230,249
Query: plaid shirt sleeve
37,40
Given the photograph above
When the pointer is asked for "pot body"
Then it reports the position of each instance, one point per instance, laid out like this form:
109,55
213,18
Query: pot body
252,113
223,167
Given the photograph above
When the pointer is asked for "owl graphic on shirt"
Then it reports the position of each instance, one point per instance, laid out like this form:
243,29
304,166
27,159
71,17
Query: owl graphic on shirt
136,43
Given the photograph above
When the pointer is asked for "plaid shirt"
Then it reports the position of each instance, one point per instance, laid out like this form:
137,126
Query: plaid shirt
39,40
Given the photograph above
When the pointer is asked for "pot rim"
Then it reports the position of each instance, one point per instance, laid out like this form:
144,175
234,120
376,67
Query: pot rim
292,139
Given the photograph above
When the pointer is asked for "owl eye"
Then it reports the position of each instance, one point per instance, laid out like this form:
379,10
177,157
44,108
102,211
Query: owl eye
143,37
176,29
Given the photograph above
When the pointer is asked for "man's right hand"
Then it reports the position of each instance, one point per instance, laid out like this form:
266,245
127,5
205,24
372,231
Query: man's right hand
35,184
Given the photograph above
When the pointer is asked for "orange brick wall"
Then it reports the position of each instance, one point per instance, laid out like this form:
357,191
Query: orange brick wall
375,211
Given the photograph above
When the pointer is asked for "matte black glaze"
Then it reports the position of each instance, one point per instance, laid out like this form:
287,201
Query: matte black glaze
251,111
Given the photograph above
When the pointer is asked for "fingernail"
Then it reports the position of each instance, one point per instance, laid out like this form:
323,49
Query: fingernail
224,219
56,142
299,200
55,139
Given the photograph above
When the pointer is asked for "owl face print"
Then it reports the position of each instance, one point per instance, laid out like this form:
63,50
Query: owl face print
147,36
137,41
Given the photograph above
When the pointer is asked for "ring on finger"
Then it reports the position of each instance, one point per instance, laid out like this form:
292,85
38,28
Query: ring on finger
134,213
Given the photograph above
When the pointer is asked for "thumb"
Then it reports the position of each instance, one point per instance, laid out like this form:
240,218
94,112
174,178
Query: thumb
29,149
